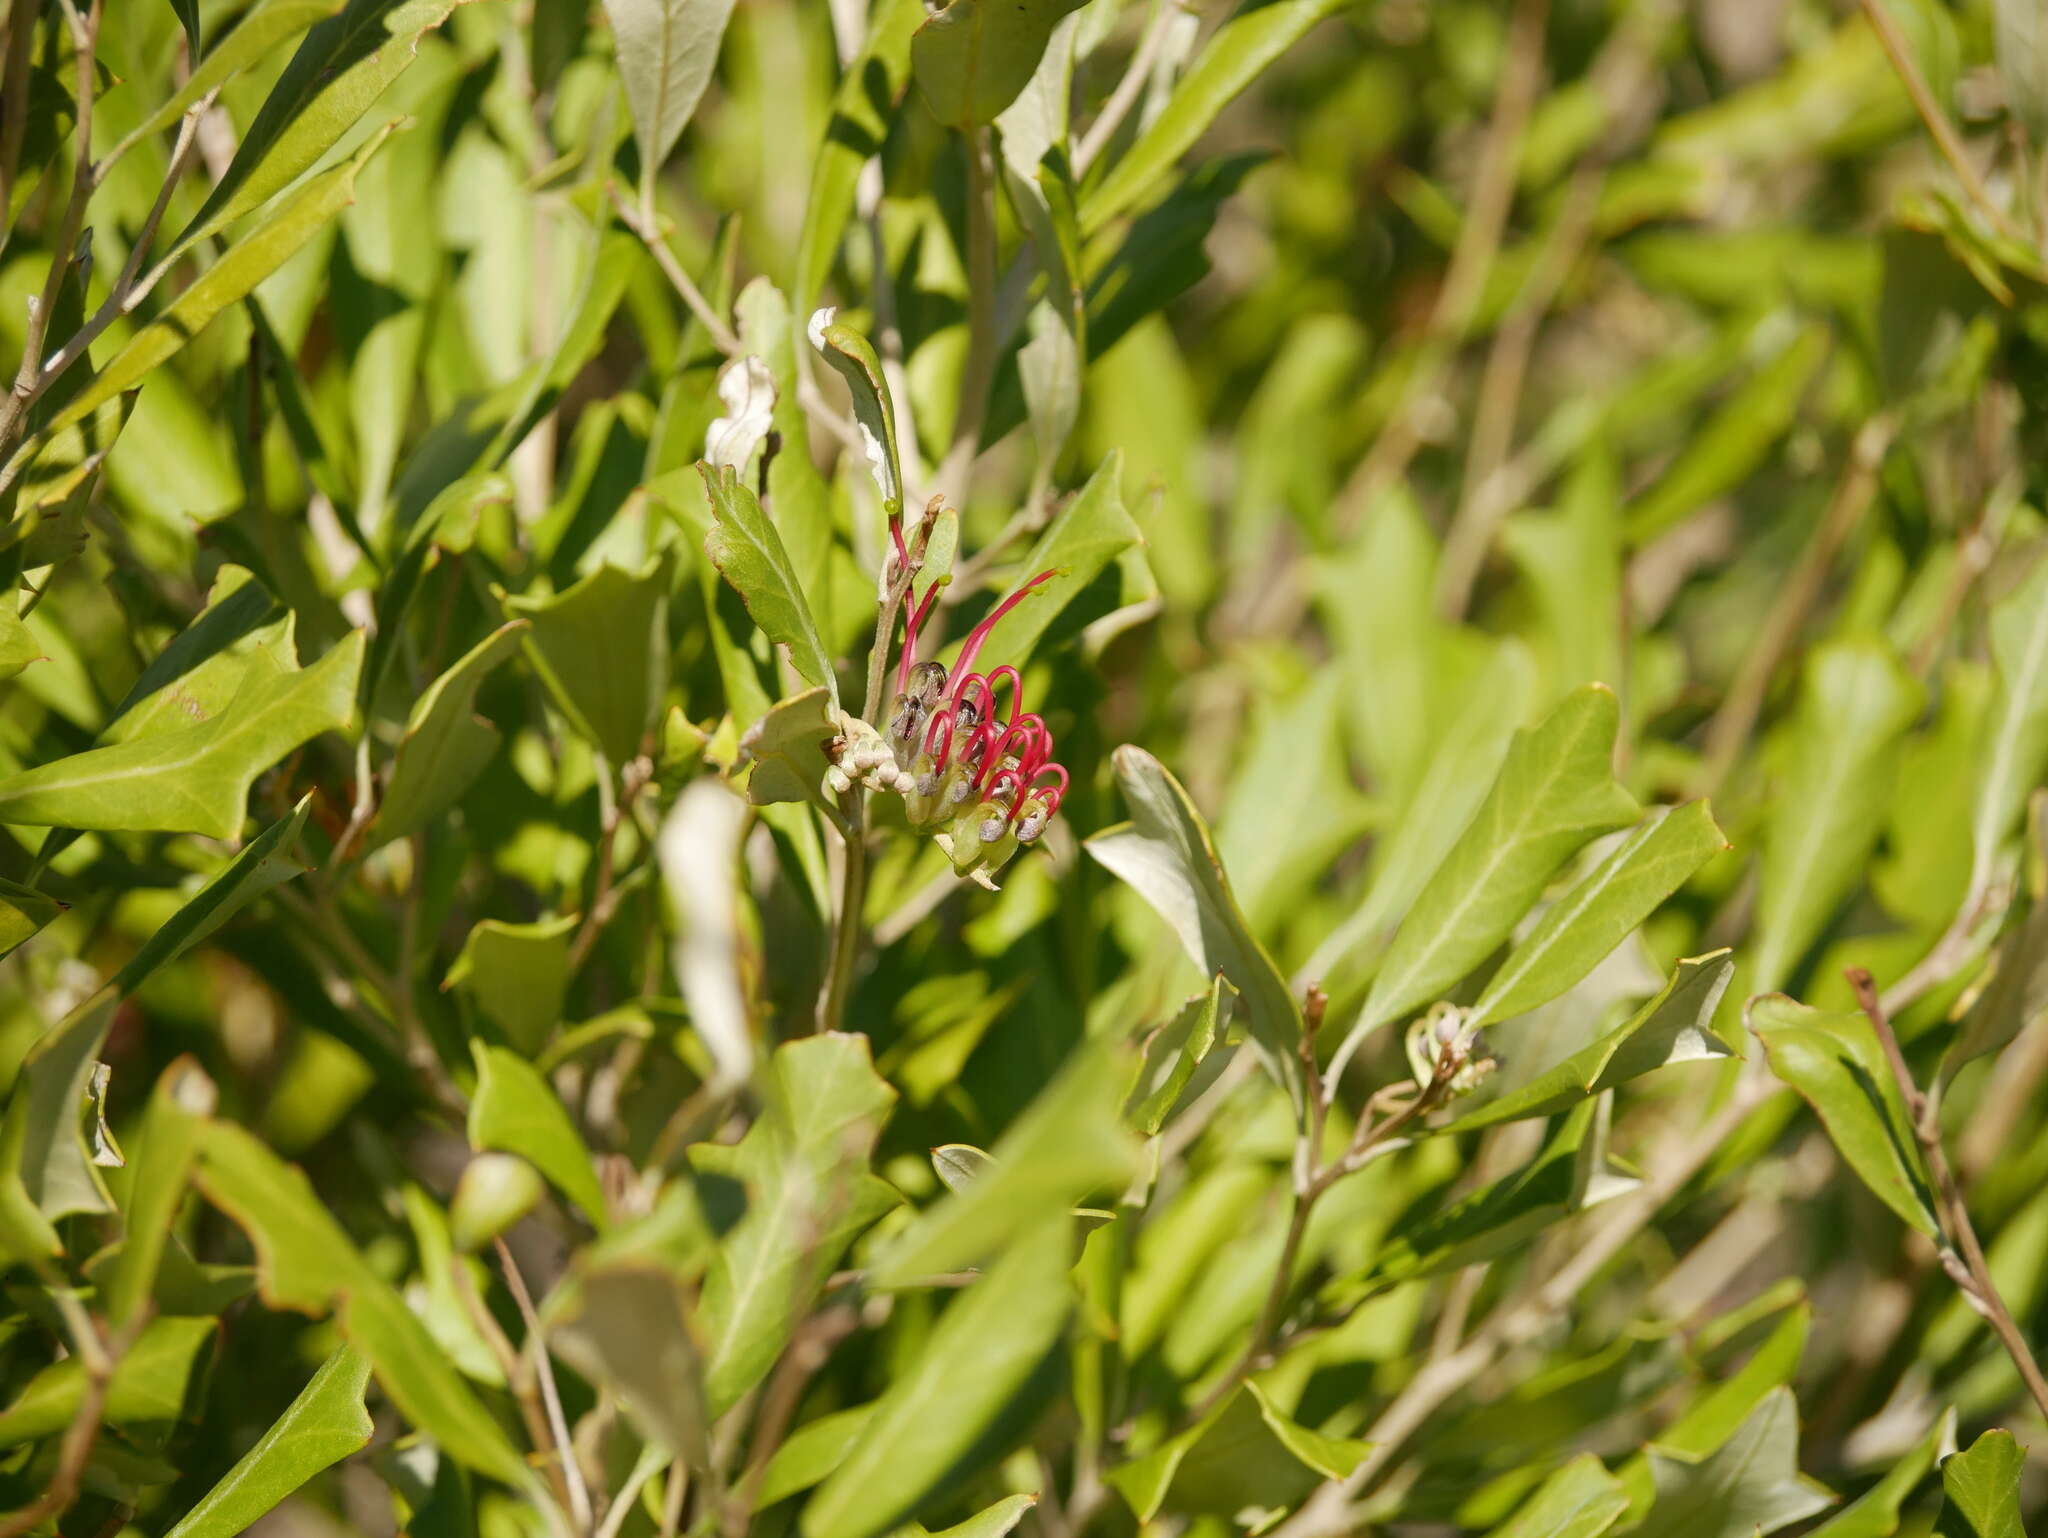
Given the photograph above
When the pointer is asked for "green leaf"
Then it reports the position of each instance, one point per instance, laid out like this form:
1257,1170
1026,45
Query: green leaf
1239,52
1582,928
514,1111
958,1165
1331,1457
252,40
1555,792
1856,703
854,359
972,58
164,1153
1569,1174
1244,1454
23,913
42,1147
812,1452
325,1424
518,975
195,779
446,744
1725,451
2015,759
745,547
188,18
666,51
241,632
1751,1486
1069,1143
1172,1053
1836,1062
601,649
1165,853
787,749
268,860
18,647
995,1522
332,80
247,263
630,1331
986,1346
1875,1513
1581,1500
1089,533
862,108
1674,1027
1981,1490
149,1387
306,1262
805,1165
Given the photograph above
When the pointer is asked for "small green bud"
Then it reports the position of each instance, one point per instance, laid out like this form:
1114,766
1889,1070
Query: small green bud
496,1190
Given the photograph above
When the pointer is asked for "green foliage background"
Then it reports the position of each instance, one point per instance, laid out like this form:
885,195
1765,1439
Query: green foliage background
1528,1019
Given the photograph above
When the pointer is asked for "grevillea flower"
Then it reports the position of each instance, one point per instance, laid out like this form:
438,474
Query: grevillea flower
990,784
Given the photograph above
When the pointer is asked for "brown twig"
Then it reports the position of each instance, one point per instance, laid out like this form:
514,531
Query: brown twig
808,1351
100,1357
641,222
1962,1256
543,1369
85,31
1939,128
604,898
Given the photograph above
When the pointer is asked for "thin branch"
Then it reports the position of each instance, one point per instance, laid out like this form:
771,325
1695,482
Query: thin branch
21,28
1969,1268
613,810
131,288
543,1368
808,1351
85,31
1128,89
100,1358
1939,128
641,222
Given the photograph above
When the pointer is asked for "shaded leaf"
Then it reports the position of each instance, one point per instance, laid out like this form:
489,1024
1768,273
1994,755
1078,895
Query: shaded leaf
1240,51
787,749
1875,1513
446,744
1068,1143
514,1111
1674,1027
247,263
805,1165
518,975
1173,1052
1855,703
1837,1064
249,42
23,913
306,1262
1086,536
332,80
149,1387
325,1424
1165,853
1751,1486
853,357
2015,758
630,1331
972,58
164,1153
601,648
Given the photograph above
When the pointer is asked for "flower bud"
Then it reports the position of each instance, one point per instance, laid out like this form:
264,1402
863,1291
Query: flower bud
927,683
496,1190
906,728
1031,821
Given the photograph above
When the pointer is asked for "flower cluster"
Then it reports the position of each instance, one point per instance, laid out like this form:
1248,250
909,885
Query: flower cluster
985,785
